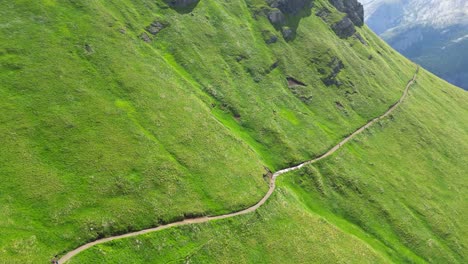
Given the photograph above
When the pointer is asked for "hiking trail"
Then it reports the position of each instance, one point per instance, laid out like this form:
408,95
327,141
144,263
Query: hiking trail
253,208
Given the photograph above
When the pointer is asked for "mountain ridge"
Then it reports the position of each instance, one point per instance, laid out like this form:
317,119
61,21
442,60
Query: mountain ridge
432,33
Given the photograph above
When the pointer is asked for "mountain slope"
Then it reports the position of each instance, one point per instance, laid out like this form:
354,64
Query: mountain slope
123,115
432,33
394,195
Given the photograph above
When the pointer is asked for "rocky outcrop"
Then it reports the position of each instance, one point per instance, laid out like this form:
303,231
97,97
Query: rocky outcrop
293,82
353,9
269,37
290,7
155,27
144,36
323,13
280,11
344,28
336,65
300,90
288,33
276,17
181,3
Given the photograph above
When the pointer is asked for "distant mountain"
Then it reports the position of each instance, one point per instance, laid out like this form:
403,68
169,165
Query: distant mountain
433,33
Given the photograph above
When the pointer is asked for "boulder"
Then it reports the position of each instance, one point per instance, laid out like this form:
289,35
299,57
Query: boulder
155,27
276,17
344,28
181,3
145,37
288,33
269,37
352,8
323,13
290,7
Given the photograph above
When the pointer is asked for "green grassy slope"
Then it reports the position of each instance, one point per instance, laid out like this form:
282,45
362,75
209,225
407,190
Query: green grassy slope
283,231
103,133
97,143
395,194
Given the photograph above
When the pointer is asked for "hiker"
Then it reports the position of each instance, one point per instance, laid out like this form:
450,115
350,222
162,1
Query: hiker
55,260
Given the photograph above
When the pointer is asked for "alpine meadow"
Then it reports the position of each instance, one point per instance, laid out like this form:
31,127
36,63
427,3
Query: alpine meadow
223,131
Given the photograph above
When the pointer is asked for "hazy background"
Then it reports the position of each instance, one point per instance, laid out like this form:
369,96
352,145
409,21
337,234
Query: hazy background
433,33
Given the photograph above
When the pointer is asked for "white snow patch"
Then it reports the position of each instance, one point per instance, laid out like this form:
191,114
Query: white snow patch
460,39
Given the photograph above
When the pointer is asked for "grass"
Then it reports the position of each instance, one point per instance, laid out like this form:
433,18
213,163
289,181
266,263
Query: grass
283,231
383,198
104,133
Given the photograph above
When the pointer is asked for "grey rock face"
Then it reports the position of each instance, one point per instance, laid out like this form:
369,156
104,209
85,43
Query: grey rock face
323,13
344,28
269,37
352,8
288,33
276,17
291,7
145,37
271,40
155,27
336,66
181,3
282,9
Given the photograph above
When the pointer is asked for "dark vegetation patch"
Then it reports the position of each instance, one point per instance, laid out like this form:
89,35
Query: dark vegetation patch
303,93
339,105
88,49
341,108
272,67
360,38
221,102
254,69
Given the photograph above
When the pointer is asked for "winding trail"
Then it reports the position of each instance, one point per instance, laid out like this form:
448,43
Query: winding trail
253,208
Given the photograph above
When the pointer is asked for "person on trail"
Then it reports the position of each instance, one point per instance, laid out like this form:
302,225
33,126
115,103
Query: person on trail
55,260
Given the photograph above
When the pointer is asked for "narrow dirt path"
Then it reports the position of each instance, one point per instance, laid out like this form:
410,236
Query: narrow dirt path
272,184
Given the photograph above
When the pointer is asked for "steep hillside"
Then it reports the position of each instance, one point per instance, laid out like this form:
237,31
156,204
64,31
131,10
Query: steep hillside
122,115
431,32
395,194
